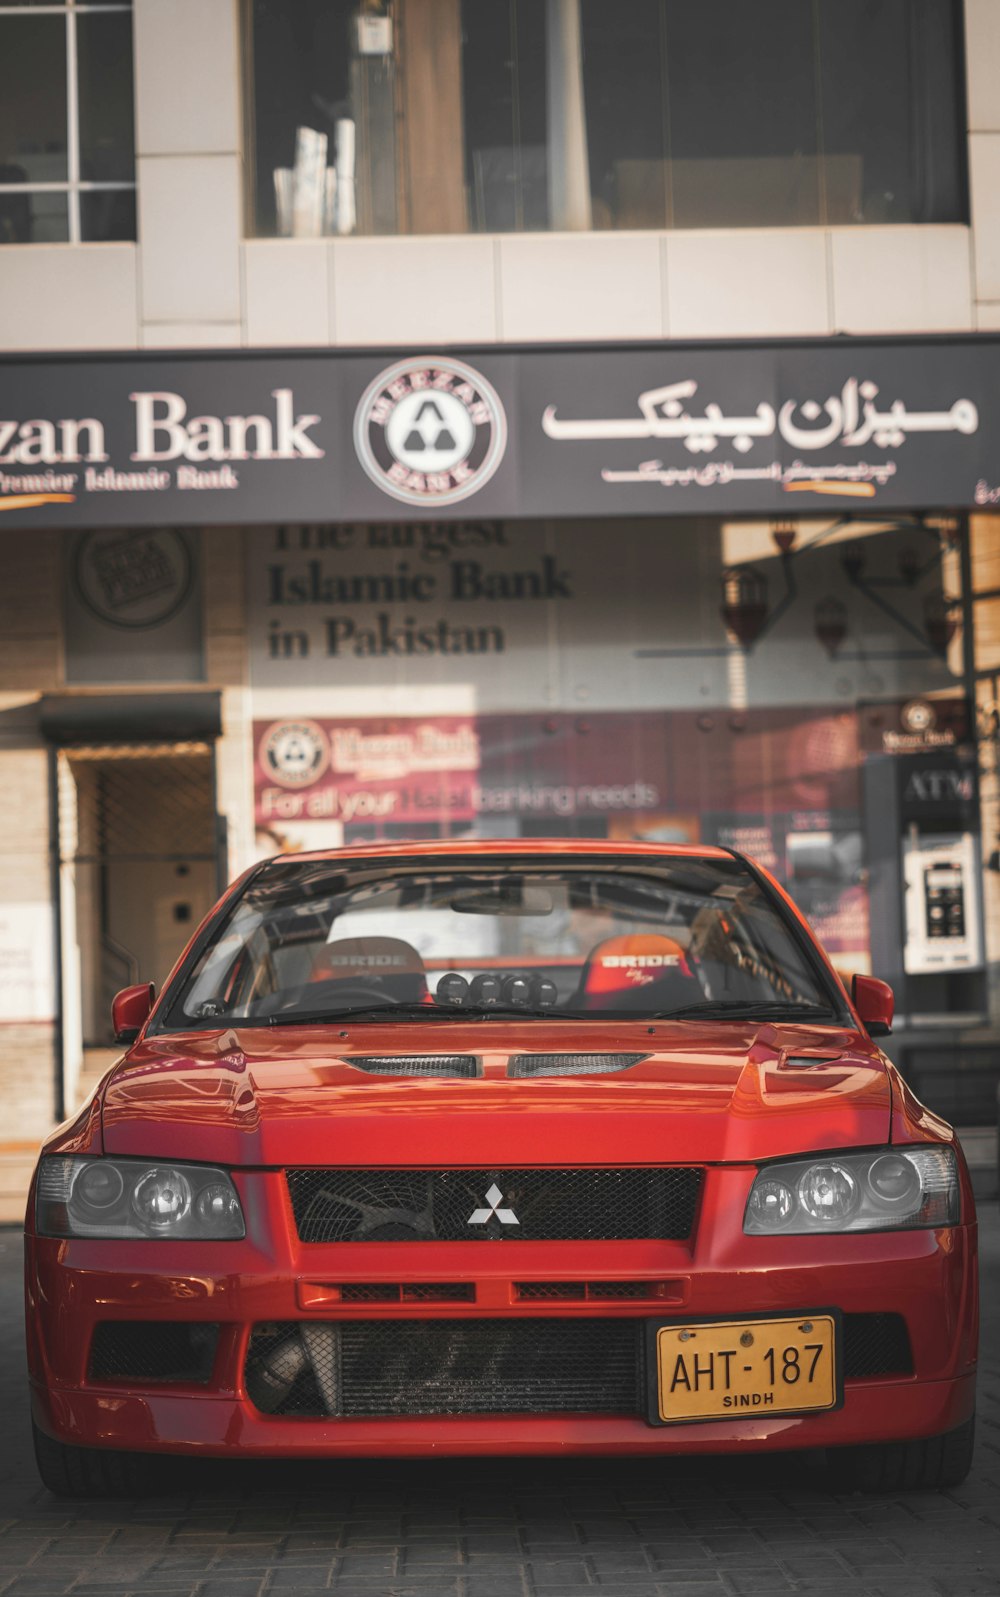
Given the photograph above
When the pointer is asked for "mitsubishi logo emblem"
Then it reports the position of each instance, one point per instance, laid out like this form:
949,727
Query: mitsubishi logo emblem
493,1198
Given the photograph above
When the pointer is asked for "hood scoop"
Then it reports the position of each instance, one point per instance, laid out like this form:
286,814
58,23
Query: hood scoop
571,1064
465,1065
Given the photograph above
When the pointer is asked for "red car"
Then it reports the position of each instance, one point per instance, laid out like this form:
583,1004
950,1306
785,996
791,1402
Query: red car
525,1147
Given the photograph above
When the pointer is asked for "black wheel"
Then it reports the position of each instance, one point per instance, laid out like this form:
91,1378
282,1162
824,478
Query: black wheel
88,1471
934,1461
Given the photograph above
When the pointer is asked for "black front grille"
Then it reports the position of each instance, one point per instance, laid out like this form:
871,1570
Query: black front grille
366,1368
153,1350
335,1205
876,1344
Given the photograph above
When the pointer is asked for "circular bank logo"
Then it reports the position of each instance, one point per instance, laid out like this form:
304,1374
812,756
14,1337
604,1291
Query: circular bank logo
430,431
133,579
917,716
294,753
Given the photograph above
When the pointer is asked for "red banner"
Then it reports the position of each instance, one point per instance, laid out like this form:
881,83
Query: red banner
444,768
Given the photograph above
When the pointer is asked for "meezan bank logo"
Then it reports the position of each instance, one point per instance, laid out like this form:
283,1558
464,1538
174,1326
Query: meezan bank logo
430,431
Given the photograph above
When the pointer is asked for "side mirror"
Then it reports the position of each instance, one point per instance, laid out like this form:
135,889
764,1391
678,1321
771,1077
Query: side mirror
130,1009
874,1003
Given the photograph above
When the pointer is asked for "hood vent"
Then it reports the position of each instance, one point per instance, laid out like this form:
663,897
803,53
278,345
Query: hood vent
571,1064
419,1065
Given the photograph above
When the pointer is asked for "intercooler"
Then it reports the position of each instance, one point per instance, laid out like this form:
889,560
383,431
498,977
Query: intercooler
360,1368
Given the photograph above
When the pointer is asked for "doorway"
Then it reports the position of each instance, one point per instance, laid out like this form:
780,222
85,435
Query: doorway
141,861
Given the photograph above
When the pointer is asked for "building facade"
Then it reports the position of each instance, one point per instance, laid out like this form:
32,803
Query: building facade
496,417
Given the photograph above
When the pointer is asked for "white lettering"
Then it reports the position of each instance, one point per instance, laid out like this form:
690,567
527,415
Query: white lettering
191,477
71,430
206,439
239,426
148,424
292,440
38,443
162,431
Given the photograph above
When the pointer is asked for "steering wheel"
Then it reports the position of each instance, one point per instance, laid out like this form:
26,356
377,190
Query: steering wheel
346,994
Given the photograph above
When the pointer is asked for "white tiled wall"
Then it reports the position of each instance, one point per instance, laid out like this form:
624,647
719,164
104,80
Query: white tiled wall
211,289
984,180
57,296
406,290
189,225
186,77
286,292
745,283
579,286
191,335
901,279
982,32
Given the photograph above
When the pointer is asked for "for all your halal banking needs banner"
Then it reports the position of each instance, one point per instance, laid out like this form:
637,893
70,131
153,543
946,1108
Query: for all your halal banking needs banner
778,429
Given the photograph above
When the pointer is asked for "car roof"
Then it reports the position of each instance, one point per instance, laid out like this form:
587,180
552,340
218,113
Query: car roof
542,847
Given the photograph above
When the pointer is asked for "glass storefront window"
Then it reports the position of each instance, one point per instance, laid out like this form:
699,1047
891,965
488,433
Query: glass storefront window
67,146
797,690
890,111
323,74
744,136
520,116
505,139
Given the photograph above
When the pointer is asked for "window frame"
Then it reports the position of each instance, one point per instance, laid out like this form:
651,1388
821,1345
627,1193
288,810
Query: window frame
73,186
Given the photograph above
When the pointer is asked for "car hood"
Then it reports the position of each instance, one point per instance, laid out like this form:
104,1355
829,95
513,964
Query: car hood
700,1092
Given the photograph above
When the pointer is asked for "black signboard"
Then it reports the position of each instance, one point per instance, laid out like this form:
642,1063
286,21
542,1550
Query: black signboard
777,429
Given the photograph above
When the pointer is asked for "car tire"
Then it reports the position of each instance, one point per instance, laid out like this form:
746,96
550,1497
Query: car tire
87,1471
933,1461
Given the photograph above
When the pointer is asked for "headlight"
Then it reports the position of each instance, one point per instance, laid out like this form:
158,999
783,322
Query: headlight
909,1188
78,1197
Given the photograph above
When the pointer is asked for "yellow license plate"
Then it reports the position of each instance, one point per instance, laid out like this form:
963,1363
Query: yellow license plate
736,1369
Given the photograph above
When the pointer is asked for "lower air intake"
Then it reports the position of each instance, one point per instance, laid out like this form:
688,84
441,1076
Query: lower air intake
153,1350
408,1292
571,1064
876,1344
368,1368
588,1291
464,1065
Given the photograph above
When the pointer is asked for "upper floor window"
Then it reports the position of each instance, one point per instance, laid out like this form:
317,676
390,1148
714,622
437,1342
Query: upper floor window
67,145
441,116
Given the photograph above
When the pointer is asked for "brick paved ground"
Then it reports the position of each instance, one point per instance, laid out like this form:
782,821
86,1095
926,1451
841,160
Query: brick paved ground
547,1528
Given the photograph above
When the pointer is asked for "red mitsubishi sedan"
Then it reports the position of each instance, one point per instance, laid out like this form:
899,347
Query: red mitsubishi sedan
479,1148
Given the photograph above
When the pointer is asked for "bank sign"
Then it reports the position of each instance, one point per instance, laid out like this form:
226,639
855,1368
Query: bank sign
777,429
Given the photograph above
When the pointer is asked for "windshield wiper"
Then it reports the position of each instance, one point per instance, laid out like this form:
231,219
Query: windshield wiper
743,1009
512,1011
409,1012
318,1017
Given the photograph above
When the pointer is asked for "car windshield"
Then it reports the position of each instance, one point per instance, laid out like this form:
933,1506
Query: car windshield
314,941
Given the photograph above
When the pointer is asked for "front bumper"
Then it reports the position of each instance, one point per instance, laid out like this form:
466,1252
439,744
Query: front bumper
928,1277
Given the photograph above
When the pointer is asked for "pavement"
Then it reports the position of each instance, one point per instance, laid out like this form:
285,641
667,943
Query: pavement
500,1528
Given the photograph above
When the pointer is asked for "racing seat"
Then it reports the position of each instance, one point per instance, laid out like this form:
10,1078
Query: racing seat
641,971
383,964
